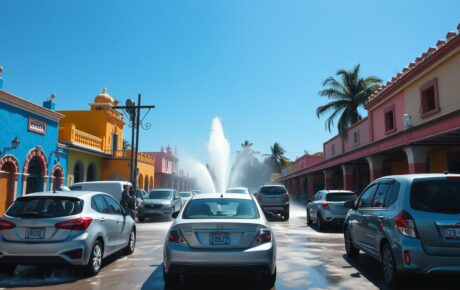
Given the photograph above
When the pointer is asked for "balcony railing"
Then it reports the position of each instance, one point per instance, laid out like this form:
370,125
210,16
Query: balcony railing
126,154
70,134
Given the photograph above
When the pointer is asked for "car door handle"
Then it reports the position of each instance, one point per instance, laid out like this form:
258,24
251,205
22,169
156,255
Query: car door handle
118,221
102,220
381,217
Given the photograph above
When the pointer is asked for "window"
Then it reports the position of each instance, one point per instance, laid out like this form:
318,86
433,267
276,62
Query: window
272,190
98,203
440,195
220,208
379,200
392,194
340,196
114,207
429,101
389,115
333,149
356,138
45,207
367,196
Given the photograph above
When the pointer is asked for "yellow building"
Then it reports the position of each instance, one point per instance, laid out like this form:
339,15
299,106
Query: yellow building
94,140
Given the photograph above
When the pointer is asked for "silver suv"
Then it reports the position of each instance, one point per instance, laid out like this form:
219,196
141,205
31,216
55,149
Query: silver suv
327,207
274,199
410,223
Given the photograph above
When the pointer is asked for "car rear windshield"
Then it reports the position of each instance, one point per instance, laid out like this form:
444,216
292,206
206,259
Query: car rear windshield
272,190
160,194
185,194
219,208
45,207
436,195
342,196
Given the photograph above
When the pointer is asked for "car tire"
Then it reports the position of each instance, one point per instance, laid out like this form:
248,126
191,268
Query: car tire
170,279
309,222
141,218
350,249
95,259
320,225
390,274
286,216
8,269
129,249
269,281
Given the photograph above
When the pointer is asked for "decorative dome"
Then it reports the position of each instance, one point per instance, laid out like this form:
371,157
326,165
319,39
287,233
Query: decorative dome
104,98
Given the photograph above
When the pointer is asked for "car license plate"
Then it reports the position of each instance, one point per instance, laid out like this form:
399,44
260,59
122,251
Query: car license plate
452,233
35,233
219,239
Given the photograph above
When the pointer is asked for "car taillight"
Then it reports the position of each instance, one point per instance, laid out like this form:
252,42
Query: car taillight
406,224
176,237
79,224
6,225
325,205
286,197
265,236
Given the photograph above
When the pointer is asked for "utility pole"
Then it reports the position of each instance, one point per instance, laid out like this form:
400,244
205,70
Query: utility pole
133,111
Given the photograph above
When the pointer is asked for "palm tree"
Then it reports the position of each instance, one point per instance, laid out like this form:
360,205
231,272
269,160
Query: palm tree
346,96
126,145
277,158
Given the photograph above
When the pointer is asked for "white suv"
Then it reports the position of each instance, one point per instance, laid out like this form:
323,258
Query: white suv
274,199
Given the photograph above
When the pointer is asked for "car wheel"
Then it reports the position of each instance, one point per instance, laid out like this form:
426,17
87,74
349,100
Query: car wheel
286,215
95,259
141,218
319,223
170,279
8,269
351,250
390,274
131,243
309,222
269,282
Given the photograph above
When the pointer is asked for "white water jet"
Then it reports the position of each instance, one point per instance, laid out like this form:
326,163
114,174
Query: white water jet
219,155
203,177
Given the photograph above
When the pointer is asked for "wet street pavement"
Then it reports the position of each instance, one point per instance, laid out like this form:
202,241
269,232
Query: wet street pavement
307,259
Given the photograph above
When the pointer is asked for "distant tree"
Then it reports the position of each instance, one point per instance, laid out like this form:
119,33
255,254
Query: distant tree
276,158
126,144
346,96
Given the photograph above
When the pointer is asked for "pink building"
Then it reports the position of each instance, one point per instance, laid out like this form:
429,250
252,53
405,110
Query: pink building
413,126
167,173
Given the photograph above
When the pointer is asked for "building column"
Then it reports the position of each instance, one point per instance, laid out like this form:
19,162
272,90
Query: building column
417,158
302,185
375,166
310,186
347,173
328,178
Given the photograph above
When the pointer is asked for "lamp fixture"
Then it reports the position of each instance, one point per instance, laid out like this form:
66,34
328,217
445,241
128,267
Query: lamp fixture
14,145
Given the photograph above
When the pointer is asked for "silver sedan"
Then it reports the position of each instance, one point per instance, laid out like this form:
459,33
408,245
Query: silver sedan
75,228
220,234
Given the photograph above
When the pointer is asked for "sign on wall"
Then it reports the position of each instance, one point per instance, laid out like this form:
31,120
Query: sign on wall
37,126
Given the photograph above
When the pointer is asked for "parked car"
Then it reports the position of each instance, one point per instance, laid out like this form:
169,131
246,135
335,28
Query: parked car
220,234
140,196
410,223
114,188
196,191
185,196
74,227
327,207
242,190
159,202
274,199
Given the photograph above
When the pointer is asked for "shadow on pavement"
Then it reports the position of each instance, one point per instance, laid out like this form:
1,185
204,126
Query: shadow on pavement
330,229
202,282
372,271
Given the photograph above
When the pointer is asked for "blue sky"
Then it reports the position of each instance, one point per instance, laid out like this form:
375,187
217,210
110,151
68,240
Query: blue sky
256,64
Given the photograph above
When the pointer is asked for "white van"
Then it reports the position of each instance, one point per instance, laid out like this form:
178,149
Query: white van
114,188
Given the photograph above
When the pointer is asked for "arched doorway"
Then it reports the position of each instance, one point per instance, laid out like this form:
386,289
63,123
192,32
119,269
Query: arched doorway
58,177
9,168
35,176
140,182
146,183
78,173
91,173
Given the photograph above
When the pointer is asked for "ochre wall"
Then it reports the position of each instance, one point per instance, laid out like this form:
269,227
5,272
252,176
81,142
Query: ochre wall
438,158
86,160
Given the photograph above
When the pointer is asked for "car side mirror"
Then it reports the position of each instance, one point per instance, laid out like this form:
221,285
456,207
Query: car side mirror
350,204
175,214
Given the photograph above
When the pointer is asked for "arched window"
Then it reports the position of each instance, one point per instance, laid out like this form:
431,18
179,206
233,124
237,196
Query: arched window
91,173
78,173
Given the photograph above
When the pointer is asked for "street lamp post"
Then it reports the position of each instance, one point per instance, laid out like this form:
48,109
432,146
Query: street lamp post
136,122
14,145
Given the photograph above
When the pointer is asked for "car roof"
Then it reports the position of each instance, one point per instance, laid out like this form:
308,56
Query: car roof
337,191
224,196
162,189
411,177
245,188
272,185
64,193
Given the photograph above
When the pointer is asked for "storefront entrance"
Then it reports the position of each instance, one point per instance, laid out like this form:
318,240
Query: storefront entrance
34,180
7,175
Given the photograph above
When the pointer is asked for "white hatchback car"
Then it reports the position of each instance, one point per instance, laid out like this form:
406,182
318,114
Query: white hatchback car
220,234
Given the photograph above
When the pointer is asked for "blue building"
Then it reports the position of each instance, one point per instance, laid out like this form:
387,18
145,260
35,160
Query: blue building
31,159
